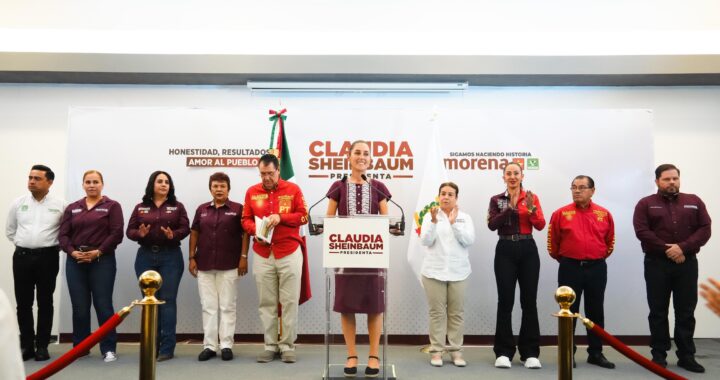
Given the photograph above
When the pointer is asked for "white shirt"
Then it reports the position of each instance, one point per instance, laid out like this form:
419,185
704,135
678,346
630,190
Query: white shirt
32,224
447,247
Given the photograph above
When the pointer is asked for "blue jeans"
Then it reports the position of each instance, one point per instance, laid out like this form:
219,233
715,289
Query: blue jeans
168,261
92,283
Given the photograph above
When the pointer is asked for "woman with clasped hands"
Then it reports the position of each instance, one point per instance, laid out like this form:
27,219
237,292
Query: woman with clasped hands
513,214
90,230
218,255
447,234
159,223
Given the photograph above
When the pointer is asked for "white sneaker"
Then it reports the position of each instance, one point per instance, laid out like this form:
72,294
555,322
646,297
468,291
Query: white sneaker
458,359
532,363
436,359
503,362
110,357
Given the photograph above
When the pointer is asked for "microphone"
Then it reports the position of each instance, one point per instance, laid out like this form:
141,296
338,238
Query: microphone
400,226
314,227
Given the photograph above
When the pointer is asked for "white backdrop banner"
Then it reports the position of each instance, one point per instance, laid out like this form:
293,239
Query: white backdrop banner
612,146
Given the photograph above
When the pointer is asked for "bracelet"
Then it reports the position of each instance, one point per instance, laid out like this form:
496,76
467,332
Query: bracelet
244,256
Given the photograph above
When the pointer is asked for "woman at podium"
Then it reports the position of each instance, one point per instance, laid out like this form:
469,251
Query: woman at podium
513,214
446,235
361,292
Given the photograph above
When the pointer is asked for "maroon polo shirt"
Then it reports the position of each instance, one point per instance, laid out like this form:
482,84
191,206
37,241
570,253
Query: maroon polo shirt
171,215
681,219
99,227
220,235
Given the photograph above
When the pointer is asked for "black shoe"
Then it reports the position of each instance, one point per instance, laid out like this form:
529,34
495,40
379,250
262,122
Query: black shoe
574,363
600,360
27,354
226,354
659,361
350,371
372,372
41,354
691,365
206,354
165,357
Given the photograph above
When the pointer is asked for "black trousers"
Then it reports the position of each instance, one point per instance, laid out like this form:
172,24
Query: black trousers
517,262
590,278
664,278
35,271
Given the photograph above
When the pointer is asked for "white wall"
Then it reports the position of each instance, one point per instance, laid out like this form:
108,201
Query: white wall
33,127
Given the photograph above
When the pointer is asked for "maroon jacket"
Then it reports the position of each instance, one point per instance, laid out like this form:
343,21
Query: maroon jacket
171,215
220,235
681,219
99,227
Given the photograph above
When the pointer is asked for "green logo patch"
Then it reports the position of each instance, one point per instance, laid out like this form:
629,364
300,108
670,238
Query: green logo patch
533,163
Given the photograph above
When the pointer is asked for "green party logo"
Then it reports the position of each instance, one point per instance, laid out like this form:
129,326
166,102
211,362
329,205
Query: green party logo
533,164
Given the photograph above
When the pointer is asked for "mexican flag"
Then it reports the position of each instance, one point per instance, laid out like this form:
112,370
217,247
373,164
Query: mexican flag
433,175
279,147
278,144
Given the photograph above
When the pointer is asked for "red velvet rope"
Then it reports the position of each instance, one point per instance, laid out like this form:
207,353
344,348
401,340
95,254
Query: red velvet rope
78,350
634,356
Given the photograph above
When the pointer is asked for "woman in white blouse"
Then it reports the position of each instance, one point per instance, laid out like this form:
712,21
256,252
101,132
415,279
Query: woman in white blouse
447,234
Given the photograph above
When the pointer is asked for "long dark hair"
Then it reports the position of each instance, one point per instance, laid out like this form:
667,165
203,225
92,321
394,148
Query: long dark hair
147,199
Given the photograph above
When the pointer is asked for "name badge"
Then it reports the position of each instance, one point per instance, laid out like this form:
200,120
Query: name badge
691,206
77,210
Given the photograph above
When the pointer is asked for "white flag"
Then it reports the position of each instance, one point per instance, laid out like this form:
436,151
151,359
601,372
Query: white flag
433,175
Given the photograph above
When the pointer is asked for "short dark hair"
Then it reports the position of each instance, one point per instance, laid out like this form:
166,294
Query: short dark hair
219,177
663,168
49,174
591,182
150,189
450,184
268,158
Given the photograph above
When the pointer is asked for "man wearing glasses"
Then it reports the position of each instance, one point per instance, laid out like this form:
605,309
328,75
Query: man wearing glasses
279,207
581,236
671,227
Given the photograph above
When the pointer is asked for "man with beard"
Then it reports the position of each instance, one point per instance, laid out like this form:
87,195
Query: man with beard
672,226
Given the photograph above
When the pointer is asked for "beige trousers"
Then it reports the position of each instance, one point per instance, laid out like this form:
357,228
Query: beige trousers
278,281
218,295
446,301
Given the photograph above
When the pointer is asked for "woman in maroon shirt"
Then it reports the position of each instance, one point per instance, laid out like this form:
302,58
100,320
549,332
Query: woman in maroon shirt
513,214
218,255
359,290
159,223
90,230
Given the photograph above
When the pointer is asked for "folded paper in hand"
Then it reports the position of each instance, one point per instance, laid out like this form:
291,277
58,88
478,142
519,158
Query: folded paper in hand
263,231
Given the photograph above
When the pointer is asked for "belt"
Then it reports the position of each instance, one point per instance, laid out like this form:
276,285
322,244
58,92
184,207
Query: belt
157,248
35,251
583,263
516,237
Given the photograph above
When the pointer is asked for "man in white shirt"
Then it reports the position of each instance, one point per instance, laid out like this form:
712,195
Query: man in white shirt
32,226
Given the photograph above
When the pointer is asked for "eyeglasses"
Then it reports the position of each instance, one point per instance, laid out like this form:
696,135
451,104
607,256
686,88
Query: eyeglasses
579,188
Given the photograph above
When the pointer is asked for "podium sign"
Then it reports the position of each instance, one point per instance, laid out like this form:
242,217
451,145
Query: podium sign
356,242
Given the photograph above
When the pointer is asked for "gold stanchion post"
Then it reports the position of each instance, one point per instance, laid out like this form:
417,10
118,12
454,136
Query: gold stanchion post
565,297
150,281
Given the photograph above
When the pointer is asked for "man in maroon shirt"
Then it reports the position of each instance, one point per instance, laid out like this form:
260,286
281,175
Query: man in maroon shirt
581,236
672,226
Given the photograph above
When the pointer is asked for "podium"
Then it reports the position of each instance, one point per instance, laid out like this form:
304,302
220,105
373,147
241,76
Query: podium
356,258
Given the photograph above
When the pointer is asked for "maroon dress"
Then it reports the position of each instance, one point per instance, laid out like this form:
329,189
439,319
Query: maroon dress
359,290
